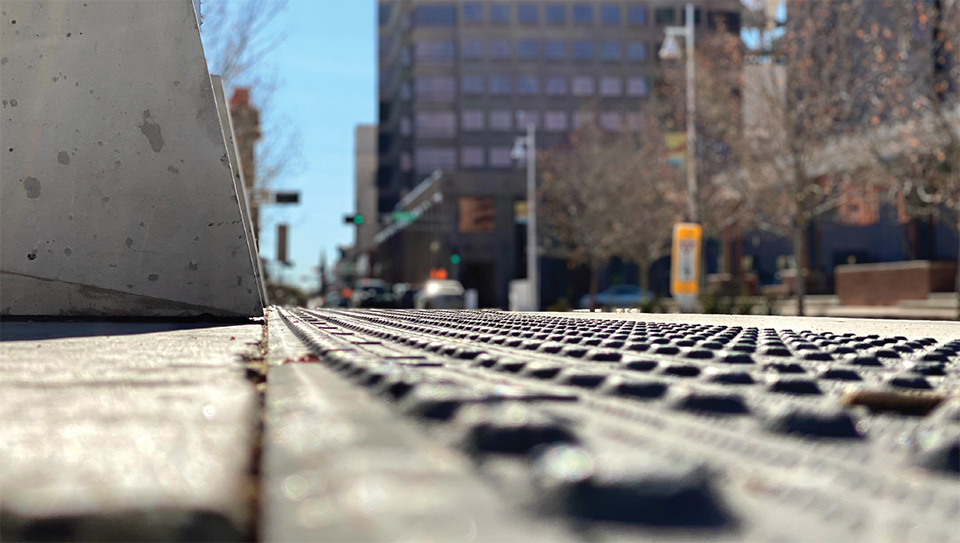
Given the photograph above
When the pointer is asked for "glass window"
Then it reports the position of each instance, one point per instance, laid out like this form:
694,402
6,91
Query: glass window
435,87
500,13
471,157
637,51
436,123
434,52
583,50
555,49
555,121
555,85
501,120
406,163
528,84
472,12
500,157
583,85
405,126
383,13
583,14
528,14
664,16
581,118
383,45
556,14
429,159
634,122
471,84
611,50
611,120
637,15
406,55
724,20
526,117
696,16
471,120
435,15
611,85
471,48
527,49
405,91
637,86
499,49
499,84
610,15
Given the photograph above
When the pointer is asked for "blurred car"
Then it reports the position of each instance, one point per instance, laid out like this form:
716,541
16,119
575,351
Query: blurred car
440,294
375,293
618,296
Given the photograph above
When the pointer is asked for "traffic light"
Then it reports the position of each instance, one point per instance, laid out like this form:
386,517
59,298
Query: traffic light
454,259
353,219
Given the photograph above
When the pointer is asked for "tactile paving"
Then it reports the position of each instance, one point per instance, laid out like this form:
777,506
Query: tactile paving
626,429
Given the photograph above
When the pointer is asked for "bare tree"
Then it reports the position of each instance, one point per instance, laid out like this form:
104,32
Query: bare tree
239,37
798,111
914,135
653,202
603,196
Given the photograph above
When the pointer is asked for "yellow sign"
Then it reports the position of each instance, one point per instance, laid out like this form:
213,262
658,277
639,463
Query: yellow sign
685,267
676,148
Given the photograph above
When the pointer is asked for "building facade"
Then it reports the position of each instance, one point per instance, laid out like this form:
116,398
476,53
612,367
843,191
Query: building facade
365,196
459,81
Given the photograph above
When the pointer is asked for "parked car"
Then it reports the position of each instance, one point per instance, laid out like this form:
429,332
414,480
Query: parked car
618,296
445,294
374,293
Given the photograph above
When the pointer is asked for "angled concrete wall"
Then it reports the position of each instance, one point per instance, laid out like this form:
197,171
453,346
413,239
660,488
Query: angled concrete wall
116,190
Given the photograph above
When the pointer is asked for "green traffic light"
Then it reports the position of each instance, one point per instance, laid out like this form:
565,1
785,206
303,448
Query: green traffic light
454,259
358,219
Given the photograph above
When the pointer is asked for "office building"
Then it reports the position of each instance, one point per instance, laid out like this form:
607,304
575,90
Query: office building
459,81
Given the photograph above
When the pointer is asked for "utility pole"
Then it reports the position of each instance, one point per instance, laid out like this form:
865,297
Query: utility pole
671,51
526,147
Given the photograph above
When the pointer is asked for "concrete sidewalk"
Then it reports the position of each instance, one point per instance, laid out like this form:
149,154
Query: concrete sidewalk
126,431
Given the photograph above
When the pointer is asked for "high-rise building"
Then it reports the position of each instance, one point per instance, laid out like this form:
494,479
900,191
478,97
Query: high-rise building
459,81
365,172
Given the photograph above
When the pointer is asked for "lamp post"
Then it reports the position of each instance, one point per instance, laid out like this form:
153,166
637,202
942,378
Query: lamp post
671,51
525,147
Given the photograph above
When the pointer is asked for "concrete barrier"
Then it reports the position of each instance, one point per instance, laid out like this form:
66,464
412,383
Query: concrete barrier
116,190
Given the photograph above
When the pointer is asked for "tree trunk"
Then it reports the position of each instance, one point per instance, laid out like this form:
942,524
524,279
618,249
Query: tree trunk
643,276
800,281
594,283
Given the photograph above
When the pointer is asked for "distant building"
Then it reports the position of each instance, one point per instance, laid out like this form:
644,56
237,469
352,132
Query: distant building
459,81
246,125
365,187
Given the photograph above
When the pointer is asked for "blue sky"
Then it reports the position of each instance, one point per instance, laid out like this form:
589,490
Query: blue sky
327,72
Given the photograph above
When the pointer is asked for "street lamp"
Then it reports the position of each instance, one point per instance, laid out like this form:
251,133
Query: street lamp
670,50
525,148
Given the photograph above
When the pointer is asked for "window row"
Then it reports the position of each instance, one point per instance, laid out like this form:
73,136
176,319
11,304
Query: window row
444,123
442,88
530,13
428,159
473,48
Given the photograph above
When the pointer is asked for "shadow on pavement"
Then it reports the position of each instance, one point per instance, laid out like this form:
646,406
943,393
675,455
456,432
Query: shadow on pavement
38,330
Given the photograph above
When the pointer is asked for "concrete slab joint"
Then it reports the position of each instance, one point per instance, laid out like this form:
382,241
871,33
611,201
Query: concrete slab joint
117,192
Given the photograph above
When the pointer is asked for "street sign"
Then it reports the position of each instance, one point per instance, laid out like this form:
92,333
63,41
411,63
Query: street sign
286,197
402,216
685,269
